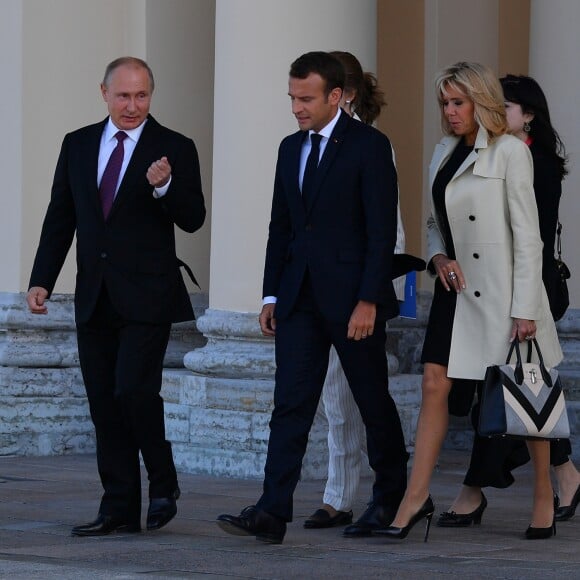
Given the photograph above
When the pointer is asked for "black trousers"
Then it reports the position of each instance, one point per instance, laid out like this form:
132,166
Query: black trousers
303,342
121,363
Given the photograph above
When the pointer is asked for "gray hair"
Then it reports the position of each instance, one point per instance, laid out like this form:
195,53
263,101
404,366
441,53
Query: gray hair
131,61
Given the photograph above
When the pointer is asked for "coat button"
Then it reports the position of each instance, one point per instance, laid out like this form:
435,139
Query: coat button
471,218
477,293
104,255
308,227
476,256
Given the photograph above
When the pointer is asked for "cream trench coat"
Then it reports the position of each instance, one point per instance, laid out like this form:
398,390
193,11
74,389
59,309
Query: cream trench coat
494,224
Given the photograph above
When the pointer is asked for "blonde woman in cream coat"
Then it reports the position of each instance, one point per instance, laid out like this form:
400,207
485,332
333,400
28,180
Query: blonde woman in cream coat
486,252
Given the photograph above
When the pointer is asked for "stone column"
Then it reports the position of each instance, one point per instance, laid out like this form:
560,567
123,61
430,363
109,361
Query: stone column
554,44
256,41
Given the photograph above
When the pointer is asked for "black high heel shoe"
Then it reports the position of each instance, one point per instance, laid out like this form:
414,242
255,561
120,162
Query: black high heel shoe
567,512
426,512
544,533
455,520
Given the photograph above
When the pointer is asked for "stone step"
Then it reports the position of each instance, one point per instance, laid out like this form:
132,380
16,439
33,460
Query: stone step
571,383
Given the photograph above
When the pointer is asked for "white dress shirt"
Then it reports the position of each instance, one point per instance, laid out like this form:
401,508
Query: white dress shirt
109,142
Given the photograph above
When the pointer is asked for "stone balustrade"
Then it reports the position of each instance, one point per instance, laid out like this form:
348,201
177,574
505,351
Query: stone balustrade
218,405
43,406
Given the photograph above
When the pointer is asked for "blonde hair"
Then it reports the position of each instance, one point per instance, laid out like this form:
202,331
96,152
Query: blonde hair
479,84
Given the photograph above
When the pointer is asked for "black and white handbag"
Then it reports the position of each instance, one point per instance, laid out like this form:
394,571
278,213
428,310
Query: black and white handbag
523,400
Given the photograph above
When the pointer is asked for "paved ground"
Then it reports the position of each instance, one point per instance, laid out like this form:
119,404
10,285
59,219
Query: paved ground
41,498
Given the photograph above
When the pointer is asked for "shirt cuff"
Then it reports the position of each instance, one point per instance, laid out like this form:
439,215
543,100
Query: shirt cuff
269,300
161,191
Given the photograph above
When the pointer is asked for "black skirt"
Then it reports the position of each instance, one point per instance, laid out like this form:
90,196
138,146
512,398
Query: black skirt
437,344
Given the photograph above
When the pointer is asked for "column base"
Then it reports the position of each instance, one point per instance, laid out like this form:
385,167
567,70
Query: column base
217,418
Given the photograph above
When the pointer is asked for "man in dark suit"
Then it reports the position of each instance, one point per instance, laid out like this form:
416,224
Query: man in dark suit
327,281
121,185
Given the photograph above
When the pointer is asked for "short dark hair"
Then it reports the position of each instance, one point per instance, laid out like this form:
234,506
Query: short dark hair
323,64
128,61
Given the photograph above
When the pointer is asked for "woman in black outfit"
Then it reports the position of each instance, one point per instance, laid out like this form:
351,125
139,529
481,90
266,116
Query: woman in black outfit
492,460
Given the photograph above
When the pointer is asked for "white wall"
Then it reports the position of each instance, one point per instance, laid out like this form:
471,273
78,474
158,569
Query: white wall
11,147
55,54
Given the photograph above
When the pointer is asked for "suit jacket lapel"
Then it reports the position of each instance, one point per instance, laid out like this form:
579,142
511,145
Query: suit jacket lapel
330,151
137,166
89,164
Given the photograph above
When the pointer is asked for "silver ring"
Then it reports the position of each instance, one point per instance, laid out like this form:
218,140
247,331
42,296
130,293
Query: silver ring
529,337
452,275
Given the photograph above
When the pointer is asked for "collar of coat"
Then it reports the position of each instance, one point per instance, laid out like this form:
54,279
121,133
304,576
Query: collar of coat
445,147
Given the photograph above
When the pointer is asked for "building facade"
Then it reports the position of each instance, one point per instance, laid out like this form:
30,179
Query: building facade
221,71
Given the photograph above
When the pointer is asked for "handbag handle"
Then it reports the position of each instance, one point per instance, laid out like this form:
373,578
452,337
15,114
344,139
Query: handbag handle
519,370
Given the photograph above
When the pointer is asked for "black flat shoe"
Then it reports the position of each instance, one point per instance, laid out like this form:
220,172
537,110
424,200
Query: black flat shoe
322,519
254,522
375,517
567,512
162,510
455,520
105,525
426,512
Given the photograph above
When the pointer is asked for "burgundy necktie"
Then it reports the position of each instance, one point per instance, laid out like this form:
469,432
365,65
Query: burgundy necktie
110,177
311,167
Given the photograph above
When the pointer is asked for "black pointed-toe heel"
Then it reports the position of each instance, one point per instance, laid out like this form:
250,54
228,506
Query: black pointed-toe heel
426,512
544,533
455,520
567,512
541,533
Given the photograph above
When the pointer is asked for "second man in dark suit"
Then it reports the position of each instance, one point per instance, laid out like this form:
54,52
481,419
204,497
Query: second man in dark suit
121,185
327,281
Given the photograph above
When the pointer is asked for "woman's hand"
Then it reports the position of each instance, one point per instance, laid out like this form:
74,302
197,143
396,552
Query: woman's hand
449,272
523,329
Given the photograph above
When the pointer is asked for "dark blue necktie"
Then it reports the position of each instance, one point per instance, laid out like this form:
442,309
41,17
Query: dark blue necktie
108,186
310,169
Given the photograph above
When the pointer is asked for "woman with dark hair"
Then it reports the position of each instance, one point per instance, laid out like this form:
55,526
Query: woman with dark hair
361,99
492,460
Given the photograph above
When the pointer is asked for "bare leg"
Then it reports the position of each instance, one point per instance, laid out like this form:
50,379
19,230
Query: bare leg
543,509
431,431
568,481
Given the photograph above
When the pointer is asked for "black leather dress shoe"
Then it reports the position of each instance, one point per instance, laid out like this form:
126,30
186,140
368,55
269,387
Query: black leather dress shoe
254,522
105,525
162,510
322,519
375,517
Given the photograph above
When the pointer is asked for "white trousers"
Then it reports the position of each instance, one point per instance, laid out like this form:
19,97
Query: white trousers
347,453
